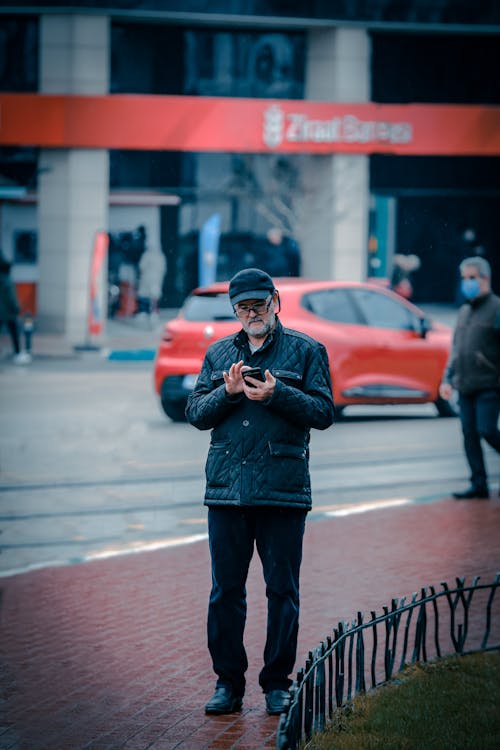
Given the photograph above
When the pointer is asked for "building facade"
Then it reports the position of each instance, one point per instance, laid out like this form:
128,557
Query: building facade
301,137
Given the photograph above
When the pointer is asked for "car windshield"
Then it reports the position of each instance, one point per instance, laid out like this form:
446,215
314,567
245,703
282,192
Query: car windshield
208,307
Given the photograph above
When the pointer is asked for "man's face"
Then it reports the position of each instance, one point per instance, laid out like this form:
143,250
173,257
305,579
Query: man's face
472,272
257,316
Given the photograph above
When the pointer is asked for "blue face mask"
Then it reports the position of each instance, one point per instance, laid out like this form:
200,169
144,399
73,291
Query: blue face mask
470,288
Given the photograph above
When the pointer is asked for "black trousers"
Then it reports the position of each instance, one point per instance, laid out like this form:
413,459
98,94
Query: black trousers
13,329
277,534
479,416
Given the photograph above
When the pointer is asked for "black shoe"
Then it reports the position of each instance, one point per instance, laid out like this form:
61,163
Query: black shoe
224,701
473,493
277,702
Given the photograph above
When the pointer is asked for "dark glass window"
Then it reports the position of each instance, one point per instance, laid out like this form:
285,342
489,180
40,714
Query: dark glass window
18,166
25,248
438,68
207,62
331,304
380,311
146,59
443,173
246,64
141,169
18,54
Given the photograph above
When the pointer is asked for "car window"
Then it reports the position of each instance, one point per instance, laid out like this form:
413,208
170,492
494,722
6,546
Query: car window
381,311
208,307
331,304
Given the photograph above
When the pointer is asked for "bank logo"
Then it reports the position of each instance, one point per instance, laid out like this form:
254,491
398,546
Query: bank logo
297,127
273,126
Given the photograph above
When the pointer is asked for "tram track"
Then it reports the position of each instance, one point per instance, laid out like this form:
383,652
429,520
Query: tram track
332,460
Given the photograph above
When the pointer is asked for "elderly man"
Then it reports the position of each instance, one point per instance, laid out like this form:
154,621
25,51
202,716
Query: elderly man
260,391
474,370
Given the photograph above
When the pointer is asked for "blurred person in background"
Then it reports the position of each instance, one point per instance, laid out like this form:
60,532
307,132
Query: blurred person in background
9,312
474,371
152,267
282,254
404,266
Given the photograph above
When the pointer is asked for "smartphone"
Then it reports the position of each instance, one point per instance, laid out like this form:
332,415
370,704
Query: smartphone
253,372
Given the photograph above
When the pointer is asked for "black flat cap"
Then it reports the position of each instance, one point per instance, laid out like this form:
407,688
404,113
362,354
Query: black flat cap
250,283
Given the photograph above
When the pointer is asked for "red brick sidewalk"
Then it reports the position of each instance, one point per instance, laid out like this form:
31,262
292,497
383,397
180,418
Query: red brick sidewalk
112,654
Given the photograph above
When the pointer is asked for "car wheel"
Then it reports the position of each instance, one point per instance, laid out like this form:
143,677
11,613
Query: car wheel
339,412
174,409
446,408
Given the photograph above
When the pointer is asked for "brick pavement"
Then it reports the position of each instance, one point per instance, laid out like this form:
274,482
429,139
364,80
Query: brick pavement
111,654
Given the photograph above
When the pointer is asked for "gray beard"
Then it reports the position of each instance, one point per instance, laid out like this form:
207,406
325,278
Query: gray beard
268,327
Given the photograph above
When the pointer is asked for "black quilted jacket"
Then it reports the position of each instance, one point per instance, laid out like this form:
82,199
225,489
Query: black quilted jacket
259,451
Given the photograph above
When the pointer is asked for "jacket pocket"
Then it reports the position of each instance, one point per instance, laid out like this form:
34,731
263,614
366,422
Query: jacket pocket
288,376
217,375
287,467
217,466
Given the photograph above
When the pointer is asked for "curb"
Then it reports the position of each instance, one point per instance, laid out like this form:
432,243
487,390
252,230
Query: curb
136,355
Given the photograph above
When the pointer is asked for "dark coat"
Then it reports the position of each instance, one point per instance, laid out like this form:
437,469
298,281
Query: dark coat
259,451
9,306
475,358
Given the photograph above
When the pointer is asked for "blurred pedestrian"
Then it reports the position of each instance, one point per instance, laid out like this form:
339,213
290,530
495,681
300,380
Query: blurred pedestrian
258,488
403,267
9,312
152,266
474,370
281,254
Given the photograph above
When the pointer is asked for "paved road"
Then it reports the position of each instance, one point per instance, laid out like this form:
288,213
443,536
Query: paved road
90,466
112,654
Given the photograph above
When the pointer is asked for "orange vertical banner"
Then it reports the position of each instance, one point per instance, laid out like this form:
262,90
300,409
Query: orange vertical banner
98,276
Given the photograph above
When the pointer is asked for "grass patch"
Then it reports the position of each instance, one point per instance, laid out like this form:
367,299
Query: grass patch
449,704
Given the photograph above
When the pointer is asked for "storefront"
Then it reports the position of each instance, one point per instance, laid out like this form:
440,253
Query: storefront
293,144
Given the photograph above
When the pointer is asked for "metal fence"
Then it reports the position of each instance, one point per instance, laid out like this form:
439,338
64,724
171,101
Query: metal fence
429,626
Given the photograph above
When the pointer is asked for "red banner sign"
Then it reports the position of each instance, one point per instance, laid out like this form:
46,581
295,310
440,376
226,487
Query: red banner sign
186,123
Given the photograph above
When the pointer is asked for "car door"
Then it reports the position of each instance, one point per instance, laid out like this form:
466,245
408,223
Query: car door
332,318
397,361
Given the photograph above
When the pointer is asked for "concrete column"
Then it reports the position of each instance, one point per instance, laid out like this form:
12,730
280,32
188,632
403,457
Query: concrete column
337,188
73,183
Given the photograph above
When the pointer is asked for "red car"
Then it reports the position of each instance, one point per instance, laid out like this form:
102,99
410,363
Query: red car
382,349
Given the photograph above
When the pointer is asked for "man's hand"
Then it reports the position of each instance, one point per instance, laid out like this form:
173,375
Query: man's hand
445,391
259,390
233,379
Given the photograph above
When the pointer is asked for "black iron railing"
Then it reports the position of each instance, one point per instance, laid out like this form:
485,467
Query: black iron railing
430,626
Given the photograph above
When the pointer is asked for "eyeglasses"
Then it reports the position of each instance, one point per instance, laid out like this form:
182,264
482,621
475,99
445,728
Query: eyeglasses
259,308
